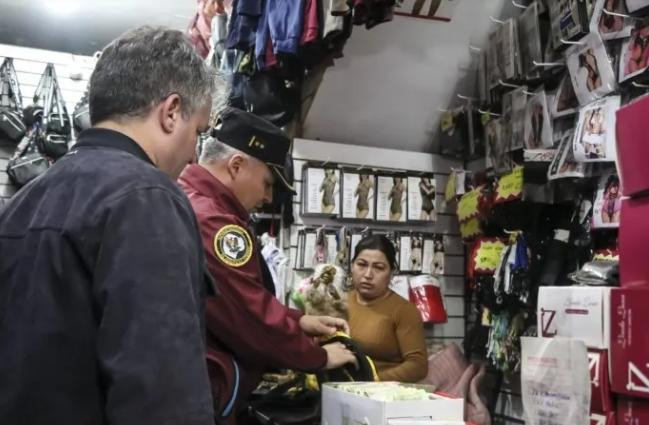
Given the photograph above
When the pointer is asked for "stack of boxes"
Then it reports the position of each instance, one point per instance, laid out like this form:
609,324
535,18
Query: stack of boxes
583,313
630,303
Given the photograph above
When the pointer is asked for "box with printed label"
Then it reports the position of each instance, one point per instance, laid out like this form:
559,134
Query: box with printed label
630,341
600,399
341,407
632,411
633,242
602,418
578,312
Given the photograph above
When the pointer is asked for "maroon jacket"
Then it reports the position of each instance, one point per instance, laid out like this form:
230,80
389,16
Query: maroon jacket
248,330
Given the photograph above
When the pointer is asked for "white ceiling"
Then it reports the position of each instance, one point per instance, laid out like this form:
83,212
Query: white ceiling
388,88
385,92
83,27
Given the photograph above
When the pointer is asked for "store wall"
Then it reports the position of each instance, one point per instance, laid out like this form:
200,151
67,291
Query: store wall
353,155
72,71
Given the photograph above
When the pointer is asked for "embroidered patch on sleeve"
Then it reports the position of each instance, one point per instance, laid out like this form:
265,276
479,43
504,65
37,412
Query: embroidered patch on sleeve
233,246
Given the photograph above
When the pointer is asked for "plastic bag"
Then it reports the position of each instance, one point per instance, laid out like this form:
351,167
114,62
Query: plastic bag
555,381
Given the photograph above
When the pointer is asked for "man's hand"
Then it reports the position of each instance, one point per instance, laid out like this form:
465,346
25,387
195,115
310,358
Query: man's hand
322,325
338,355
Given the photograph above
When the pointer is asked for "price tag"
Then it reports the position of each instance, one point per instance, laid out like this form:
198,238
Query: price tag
468,206
470,229
487,255
510,186
451,187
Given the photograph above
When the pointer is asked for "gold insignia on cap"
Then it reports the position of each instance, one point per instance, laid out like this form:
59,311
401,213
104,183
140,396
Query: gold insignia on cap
255,142
233,246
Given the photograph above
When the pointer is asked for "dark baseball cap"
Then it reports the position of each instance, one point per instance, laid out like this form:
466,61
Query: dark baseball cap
256,137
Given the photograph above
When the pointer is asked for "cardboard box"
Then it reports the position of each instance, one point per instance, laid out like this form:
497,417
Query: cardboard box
344,408
601,399
632,146
630,341
575,312
602,418
632,411
634,241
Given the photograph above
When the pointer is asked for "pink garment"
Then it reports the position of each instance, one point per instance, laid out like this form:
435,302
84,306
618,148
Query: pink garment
271,59
200,31
451,374
310,31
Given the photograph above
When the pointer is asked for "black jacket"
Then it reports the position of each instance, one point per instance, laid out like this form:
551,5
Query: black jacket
101,294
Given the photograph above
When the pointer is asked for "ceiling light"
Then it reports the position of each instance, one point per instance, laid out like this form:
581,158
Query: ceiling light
62,8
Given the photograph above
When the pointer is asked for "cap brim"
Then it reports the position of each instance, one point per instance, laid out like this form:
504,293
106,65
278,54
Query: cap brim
280,179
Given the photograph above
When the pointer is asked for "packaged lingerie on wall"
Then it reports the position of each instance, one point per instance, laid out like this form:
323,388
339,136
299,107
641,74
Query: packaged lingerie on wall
590,69
538,124
594,139
513,115
531,46
569,20
634,56
611,25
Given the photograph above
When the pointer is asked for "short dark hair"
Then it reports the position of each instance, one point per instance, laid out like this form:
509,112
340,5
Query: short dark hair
141,68
379,243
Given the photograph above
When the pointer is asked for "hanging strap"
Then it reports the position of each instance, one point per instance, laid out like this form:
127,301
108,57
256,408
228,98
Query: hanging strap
10,96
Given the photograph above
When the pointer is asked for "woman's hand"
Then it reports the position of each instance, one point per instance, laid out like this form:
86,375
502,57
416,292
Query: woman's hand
322,325
339,355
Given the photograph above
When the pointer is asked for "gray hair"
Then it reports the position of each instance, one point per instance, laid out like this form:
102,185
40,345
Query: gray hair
141,68
214,150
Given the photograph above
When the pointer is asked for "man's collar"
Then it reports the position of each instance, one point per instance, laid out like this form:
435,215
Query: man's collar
202,181
106,138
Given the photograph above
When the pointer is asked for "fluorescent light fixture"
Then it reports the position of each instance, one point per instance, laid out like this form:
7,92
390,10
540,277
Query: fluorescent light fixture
62,8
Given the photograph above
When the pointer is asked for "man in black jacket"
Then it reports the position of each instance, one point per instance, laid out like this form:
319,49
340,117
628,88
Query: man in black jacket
101,263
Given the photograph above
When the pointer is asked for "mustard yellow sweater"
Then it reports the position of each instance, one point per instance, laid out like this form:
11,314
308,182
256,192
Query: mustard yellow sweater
391,332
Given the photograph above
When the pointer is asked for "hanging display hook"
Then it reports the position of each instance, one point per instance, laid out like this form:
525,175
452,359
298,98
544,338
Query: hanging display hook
573,43
496,21
493,114
640,86
463,97
474,48
502,83
621,15
547,64
442,110
518,5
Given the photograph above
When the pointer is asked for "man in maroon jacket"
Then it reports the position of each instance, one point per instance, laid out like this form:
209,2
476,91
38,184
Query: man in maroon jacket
248,329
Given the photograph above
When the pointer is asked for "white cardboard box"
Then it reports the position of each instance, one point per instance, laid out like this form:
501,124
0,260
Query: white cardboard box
579,312
344,408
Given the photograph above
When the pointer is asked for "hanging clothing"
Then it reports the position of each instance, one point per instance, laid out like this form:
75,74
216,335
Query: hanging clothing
281,21
278,265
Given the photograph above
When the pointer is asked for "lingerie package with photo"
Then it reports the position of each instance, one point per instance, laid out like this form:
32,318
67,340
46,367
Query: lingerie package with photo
608,19
358,194
392,198
321,191
634,55
538,125
608,202
594,139
564,165
421,198
590,69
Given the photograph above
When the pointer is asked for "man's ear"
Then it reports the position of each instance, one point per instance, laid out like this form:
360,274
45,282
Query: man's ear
235,164
169,112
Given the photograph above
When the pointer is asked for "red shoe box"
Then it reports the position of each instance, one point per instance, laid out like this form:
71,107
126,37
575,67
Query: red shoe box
630,342
602,418
634,240
632,146
601,399
632,411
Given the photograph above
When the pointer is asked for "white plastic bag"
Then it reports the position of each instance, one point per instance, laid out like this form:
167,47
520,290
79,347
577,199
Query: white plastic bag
555,381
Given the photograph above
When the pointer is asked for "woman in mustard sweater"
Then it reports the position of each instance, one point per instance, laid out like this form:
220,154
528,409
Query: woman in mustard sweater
386,326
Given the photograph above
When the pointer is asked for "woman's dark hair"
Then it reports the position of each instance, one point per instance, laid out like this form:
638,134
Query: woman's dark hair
612,180
379,243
